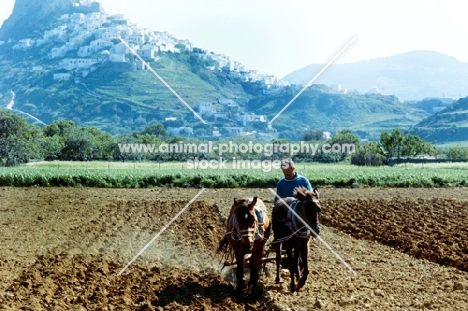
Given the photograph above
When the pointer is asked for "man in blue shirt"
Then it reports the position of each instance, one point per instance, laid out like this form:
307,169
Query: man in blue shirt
290,181
287,184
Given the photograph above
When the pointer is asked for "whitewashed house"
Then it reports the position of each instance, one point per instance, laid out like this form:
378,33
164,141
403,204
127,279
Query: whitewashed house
77,63
168,47
136,38
58,52
24,44
110,34
120,48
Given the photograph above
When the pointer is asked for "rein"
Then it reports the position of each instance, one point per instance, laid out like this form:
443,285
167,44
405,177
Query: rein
289,236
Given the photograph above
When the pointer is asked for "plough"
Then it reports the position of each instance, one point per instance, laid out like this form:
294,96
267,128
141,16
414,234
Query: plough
266,258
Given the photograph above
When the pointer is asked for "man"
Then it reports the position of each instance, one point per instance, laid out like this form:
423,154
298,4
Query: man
286,185
290,181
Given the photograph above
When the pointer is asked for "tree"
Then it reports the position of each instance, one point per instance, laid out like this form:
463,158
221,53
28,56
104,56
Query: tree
17,139
457,153
87,144
57,127
373,147
413,145
346,137
156,129
396,144
347,140
392,143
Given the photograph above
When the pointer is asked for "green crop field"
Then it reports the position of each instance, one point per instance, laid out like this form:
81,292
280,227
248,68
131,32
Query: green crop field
173,174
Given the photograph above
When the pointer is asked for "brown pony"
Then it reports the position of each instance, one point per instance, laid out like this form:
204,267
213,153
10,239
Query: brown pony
293,233
246,236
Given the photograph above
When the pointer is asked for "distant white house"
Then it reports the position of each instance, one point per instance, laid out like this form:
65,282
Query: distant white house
100,44
110,34
146,53
234,130
93,47
77,17
136,38
57,32
206,108
61,76
120,48
251,118
58,52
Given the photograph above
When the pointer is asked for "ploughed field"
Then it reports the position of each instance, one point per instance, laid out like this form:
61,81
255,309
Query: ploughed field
63,249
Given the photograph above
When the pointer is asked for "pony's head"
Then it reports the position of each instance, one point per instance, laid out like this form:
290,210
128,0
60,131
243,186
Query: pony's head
310,207
246,221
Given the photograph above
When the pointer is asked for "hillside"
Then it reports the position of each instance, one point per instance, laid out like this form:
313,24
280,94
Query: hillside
121,101
448,125
409,76
74,66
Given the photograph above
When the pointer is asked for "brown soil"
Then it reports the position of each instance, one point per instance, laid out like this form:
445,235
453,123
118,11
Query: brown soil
63,249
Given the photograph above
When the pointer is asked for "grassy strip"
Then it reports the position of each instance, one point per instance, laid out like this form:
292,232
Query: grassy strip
147,175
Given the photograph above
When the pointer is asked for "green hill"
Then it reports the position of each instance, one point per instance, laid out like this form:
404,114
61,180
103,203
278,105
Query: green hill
320,107
448,125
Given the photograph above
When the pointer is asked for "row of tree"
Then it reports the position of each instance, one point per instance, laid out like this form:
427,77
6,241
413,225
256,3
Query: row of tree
392,145
62,140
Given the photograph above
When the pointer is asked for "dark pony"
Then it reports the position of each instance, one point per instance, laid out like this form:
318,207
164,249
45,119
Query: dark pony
292,234
246,236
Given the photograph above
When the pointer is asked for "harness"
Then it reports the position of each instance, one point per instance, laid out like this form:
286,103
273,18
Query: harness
292,222
257,231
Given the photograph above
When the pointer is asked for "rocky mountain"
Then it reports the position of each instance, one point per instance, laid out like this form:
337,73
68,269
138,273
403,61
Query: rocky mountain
409,76
30,17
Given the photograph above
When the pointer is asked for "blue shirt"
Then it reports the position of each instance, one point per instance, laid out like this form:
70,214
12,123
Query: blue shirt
285,187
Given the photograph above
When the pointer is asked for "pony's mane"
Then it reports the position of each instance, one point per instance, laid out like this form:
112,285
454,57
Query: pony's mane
302,193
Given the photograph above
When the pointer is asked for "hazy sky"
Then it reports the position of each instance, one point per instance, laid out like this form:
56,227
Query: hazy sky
280,36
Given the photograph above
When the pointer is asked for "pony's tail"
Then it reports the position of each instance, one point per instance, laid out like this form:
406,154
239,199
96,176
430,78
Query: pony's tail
222,244
226,254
